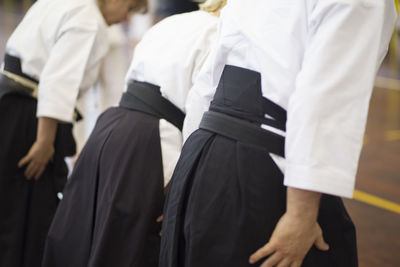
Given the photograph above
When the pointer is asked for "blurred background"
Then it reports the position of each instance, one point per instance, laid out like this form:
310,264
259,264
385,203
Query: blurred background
375,208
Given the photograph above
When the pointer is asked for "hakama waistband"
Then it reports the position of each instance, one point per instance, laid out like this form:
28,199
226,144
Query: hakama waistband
243,131
146,97
239,109
13,80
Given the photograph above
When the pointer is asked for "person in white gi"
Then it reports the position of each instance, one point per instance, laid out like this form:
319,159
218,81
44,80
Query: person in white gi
53,54
109,86
110,211
303,70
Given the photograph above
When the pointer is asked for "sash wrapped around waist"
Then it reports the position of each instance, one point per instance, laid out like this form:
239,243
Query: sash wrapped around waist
13,80
243,131
146,97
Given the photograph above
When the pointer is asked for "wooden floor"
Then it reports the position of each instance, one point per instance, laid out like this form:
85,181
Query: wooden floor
378,228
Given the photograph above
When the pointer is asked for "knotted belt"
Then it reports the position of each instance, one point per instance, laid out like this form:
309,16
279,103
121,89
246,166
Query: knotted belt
243,131
239,109
146,97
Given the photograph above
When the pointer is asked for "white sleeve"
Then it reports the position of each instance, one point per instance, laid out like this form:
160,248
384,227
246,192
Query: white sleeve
202,91
327,112
198,99
112,86
63,73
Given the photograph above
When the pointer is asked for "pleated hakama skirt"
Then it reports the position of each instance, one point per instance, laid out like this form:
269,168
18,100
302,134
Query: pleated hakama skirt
113,197
227,195
27,207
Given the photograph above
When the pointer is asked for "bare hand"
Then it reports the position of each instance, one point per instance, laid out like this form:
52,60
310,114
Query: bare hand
290,242
159,220
36,159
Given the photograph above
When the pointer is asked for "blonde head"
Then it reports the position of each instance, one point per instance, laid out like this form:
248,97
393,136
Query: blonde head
212,6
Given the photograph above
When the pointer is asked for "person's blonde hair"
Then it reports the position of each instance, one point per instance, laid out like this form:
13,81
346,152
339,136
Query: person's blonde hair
212,5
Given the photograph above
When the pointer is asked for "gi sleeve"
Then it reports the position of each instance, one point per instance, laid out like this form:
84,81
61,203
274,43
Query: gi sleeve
327,113
198,99
203,89
63,73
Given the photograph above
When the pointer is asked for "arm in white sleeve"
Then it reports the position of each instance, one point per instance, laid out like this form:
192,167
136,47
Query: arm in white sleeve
327,112
198,99
196,105
63,73
113,69
203,90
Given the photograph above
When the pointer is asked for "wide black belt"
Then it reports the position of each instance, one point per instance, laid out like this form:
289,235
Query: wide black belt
146,97
10,86
243,131
12,65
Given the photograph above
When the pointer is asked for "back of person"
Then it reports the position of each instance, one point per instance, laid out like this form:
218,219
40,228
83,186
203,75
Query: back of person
117,186
184,38
295,51
47,22
54,53
287,85
183,43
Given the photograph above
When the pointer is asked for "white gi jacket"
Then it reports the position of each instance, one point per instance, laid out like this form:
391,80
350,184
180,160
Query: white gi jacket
318,60
110,84
170,56
61,44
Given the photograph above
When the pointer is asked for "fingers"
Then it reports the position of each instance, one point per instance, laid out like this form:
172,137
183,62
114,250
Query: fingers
284,263
296,264
39,172
36,160
261,253
320,242
273,260
160,219
24,160
34,170
30,170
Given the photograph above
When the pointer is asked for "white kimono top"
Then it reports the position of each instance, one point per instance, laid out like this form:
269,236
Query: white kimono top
108,89
318,60
61,44
170,55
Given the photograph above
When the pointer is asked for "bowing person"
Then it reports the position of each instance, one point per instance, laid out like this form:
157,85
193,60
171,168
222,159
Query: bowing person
287,79
52,56
115,195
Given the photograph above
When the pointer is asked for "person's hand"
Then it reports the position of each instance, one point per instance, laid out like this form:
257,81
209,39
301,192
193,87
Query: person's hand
42,150
290,242
37,159
159,220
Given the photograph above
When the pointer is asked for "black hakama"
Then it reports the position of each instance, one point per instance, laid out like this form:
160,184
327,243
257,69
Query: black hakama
114,195
26,207
227,193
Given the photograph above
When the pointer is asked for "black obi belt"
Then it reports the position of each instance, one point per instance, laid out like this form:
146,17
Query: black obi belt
238,110
146,97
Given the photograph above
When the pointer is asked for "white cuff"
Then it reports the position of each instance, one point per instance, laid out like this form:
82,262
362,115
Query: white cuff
171,146
60,112
325,180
